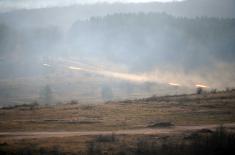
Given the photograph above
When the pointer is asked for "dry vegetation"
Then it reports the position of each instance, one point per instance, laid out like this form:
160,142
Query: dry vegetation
200,142
184,110
180,110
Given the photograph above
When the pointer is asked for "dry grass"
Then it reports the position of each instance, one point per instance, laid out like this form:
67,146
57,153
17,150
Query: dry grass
217,142
184,110
216,108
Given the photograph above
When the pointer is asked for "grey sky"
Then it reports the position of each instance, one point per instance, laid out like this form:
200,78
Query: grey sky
32,4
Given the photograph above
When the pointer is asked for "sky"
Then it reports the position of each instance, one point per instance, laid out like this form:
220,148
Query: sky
33,4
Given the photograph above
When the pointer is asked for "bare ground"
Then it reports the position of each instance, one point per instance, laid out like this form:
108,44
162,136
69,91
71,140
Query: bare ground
143,131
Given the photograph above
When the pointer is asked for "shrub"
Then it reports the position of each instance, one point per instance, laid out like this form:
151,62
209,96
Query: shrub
106,138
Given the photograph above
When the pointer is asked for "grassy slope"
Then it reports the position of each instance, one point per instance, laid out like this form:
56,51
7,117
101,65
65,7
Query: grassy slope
180,110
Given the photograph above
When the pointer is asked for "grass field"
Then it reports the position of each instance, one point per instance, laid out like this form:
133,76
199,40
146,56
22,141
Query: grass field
111,117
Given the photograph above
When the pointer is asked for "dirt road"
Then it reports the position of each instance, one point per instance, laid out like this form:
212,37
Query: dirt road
147,131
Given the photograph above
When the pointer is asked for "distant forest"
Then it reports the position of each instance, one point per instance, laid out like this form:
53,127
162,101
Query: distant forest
141,41
156,39
136,43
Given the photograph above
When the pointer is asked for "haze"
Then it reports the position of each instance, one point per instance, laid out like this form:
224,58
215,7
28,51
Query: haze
83,49
33,4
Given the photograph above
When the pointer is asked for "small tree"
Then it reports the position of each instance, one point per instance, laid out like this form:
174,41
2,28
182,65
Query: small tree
107,93
214,91
199,90
46,95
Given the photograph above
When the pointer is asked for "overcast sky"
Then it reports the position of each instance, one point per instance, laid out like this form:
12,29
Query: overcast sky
32,4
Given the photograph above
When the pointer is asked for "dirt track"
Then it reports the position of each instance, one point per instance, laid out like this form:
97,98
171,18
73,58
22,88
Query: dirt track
147,131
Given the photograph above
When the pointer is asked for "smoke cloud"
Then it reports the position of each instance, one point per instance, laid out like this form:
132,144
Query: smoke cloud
129,54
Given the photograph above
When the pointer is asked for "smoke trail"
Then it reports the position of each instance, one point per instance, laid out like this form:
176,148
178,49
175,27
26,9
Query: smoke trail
154,77
46,65
174,84
135,77
171,76
119,75
201,86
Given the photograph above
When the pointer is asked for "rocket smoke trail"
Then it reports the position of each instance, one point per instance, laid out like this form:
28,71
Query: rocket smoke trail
157,77
129,76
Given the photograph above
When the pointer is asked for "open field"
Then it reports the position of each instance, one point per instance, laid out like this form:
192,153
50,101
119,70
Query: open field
117,77
114,126
216,108
196,140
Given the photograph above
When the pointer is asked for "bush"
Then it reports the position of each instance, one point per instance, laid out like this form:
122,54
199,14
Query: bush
199,90
73,102
106,138
219,142
30,106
